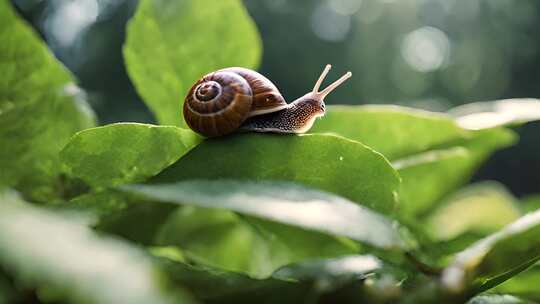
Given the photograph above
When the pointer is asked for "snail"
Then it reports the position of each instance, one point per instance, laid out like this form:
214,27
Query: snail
236,98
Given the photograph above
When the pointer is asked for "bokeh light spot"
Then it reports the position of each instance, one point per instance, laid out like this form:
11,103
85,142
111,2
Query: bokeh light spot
425,49
69,19
329,25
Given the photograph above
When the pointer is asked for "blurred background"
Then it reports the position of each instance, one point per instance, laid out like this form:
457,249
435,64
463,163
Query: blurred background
429,54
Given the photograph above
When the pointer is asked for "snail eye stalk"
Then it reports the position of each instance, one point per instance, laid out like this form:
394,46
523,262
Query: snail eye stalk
322,94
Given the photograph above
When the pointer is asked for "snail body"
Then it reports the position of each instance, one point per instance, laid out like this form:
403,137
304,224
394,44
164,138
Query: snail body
235,98
298,117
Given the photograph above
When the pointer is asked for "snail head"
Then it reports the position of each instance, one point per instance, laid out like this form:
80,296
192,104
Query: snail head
315,98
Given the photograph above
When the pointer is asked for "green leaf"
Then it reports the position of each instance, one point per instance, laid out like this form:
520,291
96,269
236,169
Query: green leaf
210,284
483,115
482,208
48,251
394,131
429,176
442,252
115,212
330,274
100,205
165,55
326,162
148,216
283,203
125,152
498,299
225,240
40,108
497,257
524,284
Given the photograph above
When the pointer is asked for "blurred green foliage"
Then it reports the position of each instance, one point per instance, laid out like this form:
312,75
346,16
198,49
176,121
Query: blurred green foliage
65,260
39,106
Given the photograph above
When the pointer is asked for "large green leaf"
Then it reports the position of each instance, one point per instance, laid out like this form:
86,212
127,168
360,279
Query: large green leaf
217,286
279,224
125,152
170,44
429,176
495,258
489,114
433,155
482,208
283,203
40,108
228,241
68,260
394,131
326,162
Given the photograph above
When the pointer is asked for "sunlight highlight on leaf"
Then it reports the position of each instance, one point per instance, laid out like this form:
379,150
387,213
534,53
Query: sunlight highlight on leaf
510,248
481,208
241,243
330,269
284,203
489,114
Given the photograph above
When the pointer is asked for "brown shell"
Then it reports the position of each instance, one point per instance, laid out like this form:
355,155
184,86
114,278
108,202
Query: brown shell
218,103
266,96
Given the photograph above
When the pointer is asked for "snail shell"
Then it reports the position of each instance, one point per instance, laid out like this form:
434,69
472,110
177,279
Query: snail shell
221,101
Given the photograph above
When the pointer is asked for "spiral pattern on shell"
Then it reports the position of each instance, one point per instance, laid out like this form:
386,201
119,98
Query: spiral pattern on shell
218,104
